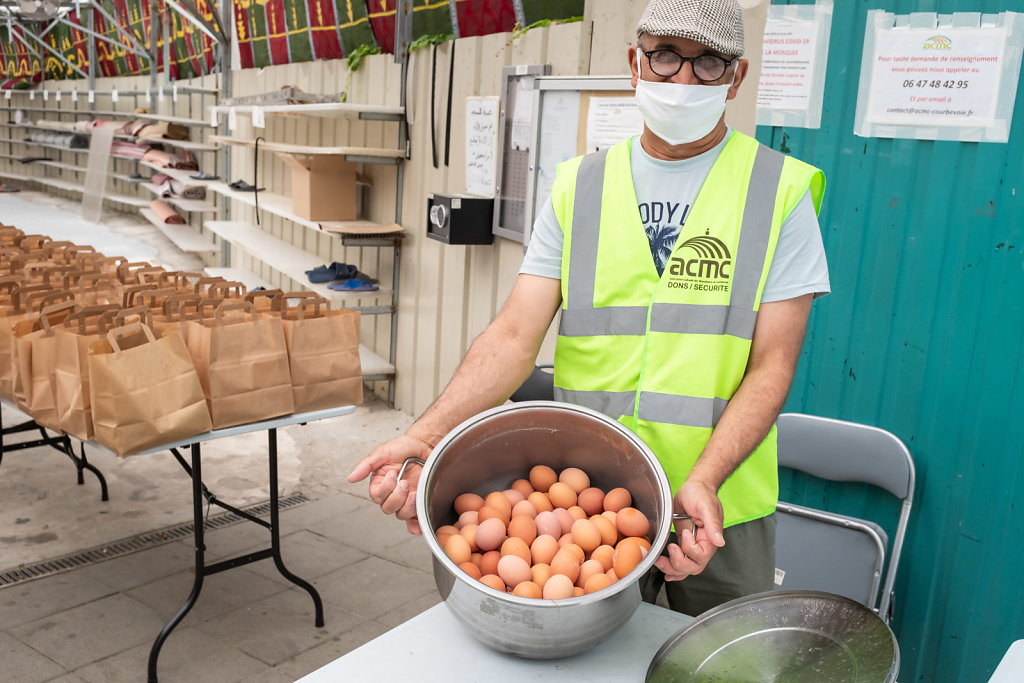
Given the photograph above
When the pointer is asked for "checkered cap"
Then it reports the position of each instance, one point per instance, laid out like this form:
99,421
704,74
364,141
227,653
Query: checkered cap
715,23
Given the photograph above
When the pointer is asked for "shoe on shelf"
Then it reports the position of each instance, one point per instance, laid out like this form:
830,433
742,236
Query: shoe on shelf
353,285
202,175
335,271
242,186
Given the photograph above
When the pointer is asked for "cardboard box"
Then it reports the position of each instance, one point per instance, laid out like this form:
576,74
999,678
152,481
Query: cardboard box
323,187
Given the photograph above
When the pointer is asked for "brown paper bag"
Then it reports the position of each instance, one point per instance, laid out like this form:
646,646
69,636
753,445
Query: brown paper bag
242,362
71,373
323,352
146,394
38,353
26,304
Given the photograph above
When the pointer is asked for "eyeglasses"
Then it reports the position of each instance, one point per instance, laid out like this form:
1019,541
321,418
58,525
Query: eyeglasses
706,67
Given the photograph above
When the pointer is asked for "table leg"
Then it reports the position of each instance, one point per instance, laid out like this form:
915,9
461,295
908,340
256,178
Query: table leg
200,562
275,533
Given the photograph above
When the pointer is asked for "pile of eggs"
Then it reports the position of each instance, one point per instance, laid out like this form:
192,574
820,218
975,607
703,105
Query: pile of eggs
550,536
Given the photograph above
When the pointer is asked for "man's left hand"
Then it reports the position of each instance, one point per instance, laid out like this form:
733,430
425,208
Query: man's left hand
694,548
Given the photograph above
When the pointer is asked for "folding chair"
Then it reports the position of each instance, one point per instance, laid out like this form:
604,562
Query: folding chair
539,386
820,550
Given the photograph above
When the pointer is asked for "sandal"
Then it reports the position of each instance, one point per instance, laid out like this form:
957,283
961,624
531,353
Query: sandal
353,285
335,271
242,186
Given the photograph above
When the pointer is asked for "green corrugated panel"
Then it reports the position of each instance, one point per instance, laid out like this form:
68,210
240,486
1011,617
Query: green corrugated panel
922,335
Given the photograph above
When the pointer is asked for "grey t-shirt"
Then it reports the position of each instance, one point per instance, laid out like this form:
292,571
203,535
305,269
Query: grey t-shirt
665,192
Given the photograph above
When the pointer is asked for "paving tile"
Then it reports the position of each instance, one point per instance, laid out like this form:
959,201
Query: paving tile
25,602
413,553
302,516
308,556
374,587
92,631
23,664
280,627
68,678
269,675
231,540
221,593
322,655
129,571
188,655
366,528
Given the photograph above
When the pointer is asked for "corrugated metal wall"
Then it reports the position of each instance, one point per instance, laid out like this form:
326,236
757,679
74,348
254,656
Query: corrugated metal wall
922,335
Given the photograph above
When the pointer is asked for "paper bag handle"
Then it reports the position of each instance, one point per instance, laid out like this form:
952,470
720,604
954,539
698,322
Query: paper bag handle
144,313
44,315
232,305
116,332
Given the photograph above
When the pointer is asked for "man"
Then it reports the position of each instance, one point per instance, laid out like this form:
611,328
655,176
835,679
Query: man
689,336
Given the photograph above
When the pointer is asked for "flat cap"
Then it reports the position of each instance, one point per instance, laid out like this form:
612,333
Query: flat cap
715,23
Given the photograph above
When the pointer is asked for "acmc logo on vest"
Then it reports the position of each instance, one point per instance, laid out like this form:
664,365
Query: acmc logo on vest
712,265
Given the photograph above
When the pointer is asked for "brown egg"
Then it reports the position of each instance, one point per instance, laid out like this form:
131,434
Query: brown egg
475,558
444,532
468,532
513,570
542,477
523,527
616,499
578,592
513,496
497,499
640,541
541,574
632,522
523,486
494,581
609,534
540,502
610,515
586,535
471,569
574,477
516,546
489,562
588,569
627,557
565,519
490,534
564,540
558,587
576,512
468,501
597,582
562,495
591,500
548,524
604,554
528,589
543,549
467,517
457,548
577,551
565,563
524,508
491,512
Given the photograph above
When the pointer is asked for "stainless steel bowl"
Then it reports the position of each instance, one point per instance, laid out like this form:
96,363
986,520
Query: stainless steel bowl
491,450
796,636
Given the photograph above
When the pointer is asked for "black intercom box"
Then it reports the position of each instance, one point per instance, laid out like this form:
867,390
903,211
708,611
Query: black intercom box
455,219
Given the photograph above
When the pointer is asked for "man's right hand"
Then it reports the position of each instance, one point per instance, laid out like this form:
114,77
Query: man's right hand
382,466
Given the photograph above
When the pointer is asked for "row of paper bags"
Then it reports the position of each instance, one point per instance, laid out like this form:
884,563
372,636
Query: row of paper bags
137,357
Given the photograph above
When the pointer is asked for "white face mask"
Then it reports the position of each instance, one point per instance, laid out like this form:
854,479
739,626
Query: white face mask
679,113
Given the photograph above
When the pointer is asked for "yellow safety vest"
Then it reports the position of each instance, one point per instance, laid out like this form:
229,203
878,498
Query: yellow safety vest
663,355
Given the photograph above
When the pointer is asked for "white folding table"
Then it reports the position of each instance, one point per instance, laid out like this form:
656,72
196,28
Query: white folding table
435,647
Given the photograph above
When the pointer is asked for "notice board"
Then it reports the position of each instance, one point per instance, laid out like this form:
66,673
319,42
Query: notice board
574,115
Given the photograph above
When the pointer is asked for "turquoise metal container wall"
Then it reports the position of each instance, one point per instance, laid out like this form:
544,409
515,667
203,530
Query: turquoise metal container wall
922,335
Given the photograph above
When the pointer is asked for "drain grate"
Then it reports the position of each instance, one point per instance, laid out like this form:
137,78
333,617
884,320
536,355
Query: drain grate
107,551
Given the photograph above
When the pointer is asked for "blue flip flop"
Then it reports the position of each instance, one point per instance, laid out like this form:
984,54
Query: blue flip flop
335,271
353,285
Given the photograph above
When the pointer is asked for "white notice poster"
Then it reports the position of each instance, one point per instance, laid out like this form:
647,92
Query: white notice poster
793,60
938,82
481,141
611,120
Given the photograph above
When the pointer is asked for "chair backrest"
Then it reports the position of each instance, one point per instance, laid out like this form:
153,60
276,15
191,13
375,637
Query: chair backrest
539,386
847,452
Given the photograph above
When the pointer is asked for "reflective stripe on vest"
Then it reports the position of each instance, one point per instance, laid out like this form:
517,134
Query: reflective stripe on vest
581,319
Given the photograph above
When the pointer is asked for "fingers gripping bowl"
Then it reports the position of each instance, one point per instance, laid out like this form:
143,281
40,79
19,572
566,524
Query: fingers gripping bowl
497,446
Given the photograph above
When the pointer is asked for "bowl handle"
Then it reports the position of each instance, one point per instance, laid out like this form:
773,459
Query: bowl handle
406,464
